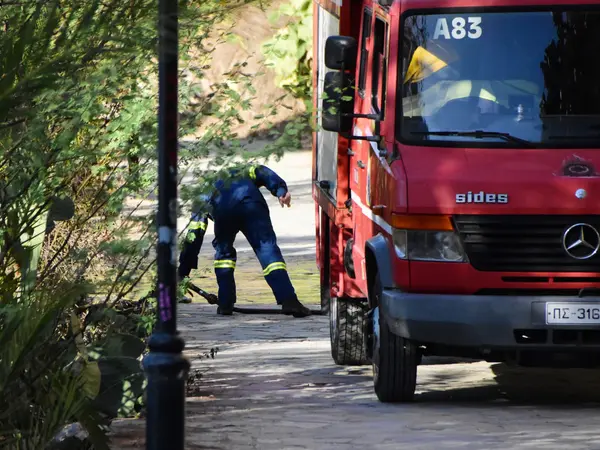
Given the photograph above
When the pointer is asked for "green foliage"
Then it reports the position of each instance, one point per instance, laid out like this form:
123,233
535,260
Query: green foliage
289,52
92,353
78,137
37,342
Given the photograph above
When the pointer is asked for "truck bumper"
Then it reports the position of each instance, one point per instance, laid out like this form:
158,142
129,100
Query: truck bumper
485,321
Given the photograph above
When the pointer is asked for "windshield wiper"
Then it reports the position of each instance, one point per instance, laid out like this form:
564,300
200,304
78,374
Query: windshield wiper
478,134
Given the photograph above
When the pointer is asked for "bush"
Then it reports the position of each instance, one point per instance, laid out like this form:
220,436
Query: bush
289,52
77,143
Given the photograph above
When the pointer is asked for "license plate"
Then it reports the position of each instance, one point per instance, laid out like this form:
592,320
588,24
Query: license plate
572,313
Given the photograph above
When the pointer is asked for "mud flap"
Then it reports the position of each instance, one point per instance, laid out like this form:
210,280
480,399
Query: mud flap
372,332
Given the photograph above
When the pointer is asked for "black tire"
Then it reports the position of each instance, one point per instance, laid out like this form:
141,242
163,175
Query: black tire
347,326
395,360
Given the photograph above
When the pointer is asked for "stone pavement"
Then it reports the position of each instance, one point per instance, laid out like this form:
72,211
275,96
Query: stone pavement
273,386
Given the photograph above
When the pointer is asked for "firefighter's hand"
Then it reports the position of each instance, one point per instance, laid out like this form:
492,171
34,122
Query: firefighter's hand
286,200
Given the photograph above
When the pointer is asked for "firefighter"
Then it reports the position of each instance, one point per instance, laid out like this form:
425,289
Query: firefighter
238,205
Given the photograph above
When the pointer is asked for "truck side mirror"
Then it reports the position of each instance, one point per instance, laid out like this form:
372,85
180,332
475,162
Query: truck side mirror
340,53
338,102
338,90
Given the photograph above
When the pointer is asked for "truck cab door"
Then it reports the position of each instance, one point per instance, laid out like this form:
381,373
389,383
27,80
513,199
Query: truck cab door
367,167
359,150
378,167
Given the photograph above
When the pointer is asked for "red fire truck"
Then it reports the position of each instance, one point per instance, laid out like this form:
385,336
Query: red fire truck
456,182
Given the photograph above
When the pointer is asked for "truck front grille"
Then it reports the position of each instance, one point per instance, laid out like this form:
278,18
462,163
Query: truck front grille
522,243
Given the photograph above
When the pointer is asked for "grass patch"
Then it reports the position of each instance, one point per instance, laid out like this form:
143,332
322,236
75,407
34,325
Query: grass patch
251,285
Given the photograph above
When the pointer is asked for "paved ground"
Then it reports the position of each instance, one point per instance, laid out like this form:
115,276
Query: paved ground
273,385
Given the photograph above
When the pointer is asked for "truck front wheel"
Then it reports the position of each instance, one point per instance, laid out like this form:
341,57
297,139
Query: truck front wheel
395,360
347,326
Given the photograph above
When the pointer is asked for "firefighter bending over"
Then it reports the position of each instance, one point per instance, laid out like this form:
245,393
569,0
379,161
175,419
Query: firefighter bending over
238,205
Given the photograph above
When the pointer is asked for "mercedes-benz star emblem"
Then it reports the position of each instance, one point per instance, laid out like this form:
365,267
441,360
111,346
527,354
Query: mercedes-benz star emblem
581,241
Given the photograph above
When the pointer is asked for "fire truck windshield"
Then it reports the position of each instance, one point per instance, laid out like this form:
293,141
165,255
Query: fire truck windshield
473,78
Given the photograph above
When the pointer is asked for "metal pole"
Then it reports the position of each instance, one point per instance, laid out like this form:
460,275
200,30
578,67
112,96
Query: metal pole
166,368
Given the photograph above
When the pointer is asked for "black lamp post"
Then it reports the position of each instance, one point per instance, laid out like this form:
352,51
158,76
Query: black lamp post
166,368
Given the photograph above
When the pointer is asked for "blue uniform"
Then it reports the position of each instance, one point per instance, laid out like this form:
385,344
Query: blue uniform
238,205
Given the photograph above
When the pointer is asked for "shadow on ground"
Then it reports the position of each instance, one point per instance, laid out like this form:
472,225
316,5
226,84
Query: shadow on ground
515,386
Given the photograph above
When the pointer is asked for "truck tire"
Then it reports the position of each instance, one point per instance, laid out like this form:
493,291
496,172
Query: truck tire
395,359
347,327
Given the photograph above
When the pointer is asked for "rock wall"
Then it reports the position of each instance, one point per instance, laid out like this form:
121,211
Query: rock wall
251,28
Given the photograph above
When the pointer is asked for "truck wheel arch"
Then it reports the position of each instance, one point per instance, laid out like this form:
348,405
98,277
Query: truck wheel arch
378,263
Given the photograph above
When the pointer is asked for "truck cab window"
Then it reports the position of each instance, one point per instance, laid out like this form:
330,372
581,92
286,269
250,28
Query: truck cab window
364,51
517,78
379,65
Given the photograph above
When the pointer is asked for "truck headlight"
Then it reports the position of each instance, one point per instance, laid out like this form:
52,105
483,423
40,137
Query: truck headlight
425,245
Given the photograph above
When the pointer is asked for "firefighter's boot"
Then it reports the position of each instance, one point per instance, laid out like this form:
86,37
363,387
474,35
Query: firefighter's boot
293,307
225,310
